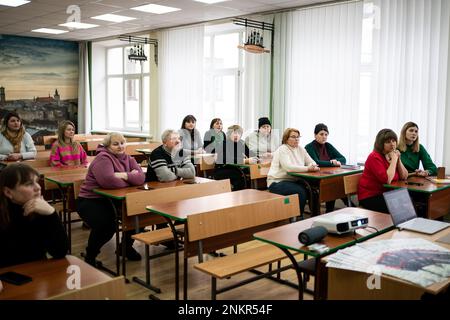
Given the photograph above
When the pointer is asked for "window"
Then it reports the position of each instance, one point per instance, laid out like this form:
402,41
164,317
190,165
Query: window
127,91
223,65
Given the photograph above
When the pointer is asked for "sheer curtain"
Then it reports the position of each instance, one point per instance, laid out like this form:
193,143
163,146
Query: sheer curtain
84,89
180,76
317,70
409,78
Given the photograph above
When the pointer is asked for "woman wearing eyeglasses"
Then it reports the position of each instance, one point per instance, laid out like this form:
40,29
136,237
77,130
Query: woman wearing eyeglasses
290,157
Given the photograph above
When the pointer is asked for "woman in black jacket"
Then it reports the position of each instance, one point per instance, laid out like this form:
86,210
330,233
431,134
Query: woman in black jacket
29,226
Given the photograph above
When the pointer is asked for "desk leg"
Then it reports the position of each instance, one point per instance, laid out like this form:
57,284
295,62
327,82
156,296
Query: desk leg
177,259
297,271
117,239
320,281
66,216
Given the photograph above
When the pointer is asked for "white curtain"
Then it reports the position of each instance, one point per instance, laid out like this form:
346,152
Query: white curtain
256,83
317,70
180,76
409,79
84,96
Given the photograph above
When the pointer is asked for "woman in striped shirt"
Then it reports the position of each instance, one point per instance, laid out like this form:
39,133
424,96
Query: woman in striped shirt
66,151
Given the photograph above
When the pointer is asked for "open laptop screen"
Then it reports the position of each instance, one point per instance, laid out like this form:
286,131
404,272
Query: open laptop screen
400,205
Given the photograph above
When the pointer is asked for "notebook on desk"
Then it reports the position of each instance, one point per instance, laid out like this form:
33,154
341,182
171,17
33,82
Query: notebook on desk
404,215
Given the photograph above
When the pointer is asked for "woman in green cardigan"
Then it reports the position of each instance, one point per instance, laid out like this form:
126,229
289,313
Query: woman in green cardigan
324,154
412,152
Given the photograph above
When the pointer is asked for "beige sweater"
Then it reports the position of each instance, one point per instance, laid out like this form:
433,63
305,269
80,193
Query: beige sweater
286,159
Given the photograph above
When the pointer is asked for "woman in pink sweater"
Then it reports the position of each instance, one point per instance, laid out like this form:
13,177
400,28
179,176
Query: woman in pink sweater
111,169
66,151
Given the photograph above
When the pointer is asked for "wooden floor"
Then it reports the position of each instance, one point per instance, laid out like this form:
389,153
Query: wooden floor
199,284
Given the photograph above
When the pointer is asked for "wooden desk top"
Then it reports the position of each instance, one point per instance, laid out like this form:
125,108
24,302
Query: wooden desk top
180,210
426,185
67,179
49,278
326,172
121,193
404,234
287,236
49,171
145,151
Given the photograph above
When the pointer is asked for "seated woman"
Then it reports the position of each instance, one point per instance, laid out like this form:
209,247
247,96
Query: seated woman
382,166
168,162
412,152
290,156
232,151
190,137
324,154
214,136
111,169
66,151
15,143
262,142
29,227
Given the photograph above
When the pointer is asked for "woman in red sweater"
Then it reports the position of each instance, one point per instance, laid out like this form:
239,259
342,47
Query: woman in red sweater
382,167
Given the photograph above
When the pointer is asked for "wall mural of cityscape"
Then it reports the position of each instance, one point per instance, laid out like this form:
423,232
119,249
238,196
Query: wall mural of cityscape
39,80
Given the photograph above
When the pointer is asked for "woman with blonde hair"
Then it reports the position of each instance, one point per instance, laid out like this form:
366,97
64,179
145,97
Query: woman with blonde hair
65,151
15,143
413,153
112,168
290,156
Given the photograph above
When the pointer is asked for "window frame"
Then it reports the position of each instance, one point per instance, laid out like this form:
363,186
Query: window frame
124,76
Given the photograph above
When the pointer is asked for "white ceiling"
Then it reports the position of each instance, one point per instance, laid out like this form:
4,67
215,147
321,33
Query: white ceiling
50,13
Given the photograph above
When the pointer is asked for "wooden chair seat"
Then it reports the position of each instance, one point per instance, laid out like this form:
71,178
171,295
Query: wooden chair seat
156,236
233,264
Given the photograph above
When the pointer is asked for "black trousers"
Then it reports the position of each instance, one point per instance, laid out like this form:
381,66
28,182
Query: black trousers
100,216
236,176
376,203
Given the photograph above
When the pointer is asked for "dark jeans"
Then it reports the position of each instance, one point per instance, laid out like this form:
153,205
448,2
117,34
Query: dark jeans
286,188
376,203
99,215
329,205
236,176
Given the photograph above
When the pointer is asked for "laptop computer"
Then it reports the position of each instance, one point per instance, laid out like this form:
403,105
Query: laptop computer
404,215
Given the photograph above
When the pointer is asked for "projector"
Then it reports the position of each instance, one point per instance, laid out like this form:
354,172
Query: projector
341,223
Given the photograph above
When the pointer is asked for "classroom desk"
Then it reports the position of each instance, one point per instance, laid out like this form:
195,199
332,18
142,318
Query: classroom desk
65,185
286,238
231,204
117,198
436,197
391,288
256,171
327,184
50,279
145,151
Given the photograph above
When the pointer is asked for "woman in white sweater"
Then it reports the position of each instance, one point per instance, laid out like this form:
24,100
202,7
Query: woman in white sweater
15,143
290,156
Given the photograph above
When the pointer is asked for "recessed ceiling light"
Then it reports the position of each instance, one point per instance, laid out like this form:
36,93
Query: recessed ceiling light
113,17
13,3
155,8
78,25
211,1
51,31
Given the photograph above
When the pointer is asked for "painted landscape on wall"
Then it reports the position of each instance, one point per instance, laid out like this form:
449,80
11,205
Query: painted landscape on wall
39,81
